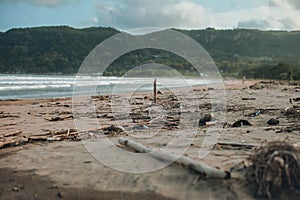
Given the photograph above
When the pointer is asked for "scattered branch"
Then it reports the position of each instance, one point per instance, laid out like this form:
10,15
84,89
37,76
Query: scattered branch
203,168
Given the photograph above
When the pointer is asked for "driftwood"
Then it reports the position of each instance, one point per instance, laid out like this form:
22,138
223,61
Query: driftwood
13,142
289,129
12,139
112,129
204,96
9,124
248,99
64,131
13,133
3,115
232,145
37,138
203,168
54,119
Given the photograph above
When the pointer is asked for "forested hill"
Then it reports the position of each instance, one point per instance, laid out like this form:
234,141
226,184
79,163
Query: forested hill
48,49
251,53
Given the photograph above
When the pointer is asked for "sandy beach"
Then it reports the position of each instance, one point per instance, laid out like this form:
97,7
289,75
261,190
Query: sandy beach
44,155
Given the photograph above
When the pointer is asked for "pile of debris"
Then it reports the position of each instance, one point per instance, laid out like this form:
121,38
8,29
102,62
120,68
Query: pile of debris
15,138
275,170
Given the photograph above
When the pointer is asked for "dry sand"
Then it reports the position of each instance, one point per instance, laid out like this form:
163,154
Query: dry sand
40,169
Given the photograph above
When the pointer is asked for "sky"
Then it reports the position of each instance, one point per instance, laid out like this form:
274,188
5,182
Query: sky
131,14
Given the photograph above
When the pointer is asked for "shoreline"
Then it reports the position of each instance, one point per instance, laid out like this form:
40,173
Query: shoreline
227,83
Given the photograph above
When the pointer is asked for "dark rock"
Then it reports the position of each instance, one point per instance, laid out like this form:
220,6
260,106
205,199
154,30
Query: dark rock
207,118
240,123
59,195
273,121
297,99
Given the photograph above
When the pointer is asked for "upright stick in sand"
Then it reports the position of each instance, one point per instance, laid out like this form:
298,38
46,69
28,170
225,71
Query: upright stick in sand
154,91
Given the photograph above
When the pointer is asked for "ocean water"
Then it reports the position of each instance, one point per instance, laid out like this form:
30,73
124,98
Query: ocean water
54,86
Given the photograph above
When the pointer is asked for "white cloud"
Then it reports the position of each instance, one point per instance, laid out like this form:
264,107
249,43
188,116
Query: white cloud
188,14
295,4
95,20
279,14
154,13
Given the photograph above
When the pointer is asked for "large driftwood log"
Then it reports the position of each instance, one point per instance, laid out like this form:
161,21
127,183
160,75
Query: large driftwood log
203,168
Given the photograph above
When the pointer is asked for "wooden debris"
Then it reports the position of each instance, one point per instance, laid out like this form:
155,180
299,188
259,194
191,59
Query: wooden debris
203,96
54,119
13,139
10,124
8,115
112,129
248,99
289,129
13,133
13,142
202,168
37,138
232,145
102,97
64,131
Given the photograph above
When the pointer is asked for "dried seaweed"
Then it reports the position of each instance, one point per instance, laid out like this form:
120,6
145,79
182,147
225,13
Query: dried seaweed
275,170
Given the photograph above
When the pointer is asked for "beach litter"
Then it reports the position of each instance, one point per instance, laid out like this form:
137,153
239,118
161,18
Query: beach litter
112,130
208,117
255,114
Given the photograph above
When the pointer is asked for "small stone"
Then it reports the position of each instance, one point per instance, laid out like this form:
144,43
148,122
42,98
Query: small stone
241,123
208,117
273,121
59,195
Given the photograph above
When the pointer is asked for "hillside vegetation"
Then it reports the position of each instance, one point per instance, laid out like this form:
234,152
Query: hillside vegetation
238,53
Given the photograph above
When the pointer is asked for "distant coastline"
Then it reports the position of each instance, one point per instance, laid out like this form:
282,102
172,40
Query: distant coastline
238,53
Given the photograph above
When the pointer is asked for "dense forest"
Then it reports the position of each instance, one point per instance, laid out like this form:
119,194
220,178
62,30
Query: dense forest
237,53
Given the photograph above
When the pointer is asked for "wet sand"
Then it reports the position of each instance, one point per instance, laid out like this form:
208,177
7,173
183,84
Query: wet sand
36,166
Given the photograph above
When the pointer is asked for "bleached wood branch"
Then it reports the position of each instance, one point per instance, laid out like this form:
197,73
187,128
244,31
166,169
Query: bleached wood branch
13,133
203,168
